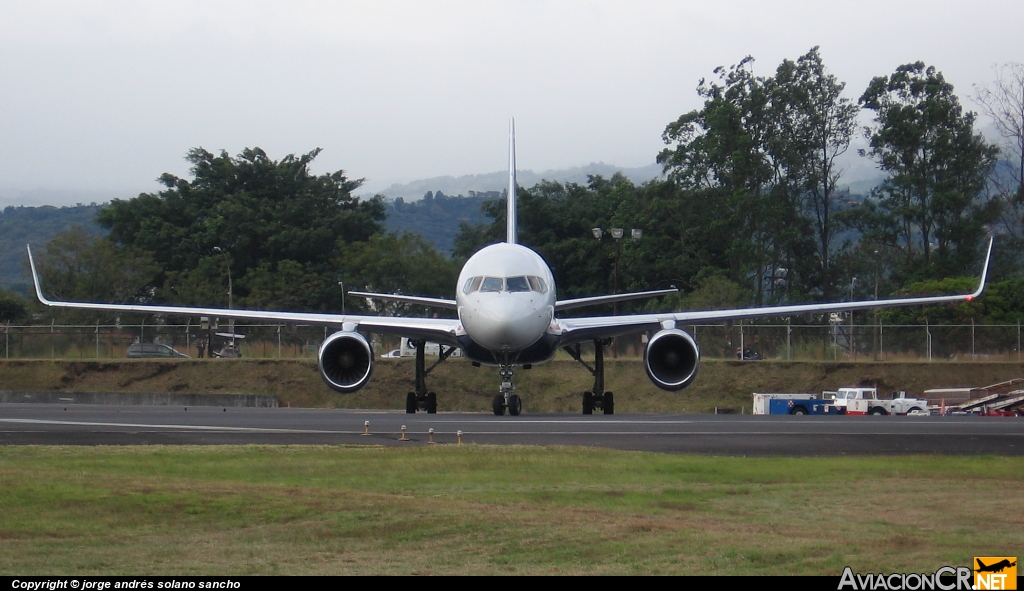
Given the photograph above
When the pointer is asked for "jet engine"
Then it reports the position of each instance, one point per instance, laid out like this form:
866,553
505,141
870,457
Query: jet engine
346,361
671,359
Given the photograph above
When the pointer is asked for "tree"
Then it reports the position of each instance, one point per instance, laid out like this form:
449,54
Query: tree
395,263
12,307
1004,105
78,266
819,122
937,167
742,153
251,211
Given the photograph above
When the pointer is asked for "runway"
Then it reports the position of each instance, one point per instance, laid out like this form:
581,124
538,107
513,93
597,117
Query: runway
49,424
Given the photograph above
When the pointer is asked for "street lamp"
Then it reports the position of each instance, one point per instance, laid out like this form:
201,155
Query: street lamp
341,284
617,233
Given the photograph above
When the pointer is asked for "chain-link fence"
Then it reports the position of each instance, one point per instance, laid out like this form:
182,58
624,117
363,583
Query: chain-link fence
104,341
834,341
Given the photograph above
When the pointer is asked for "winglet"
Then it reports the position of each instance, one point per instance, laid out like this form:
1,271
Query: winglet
35,277
984,272
510,214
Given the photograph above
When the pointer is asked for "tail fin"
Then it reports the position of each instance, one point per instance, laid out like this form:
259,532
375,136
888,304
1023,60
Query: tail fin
510,214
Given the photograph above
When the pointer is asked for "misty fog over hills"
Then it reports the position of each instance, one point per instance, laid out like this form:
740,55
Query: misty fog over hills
497,181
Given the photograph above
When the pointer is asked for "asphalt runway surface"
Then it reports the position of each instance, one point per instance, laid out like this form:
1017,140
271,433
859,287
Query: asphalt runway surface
87,424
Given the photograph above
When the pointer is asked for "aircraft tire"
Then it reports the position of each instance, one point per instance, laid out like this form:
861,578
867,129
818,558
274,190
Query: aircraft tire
608,403
410,403
498,405
515,405
588,403
431,403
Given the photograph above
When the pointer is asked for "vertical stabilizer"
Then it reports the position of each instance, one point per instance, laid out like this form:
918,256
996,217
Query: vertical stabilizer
510,214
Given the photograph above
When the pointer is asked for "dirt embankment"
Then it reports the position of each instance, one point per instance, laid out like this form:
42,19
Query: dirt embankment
552,387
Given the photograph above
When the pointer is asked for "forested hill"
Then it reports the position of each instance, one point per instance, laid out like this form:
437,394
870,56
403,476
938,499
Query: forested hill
36,225
436,217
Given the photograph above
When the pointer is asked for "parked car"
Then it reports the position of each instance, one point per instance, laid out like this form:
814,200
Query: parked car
393,354
153,350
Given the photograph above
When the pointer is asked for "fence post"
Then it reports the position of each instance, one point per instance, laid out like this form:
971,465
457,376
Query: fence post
51,337
789,340
928,338
97,339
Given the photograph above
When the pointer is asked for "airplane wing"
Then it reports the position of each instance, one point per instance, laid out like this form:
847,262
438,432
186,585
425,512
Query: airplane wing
608,299
405,299
574,330
441,330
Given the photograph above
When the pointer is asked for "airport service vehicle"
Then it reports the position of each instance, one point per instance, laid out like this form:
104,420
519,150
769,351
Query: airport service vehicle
505,313
865,401
811,406
793,404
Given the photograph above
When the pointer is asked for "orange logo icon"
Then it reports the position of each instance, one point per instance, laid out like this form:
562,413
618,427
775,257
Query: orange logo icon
995,572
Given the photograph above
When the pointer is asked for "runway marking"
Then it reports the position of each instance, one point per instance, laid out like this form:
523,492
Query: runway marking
465,433
181,427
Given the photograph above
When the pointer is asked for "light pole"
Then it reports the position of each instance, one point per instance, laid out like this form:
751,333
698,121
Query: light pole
617,233
341,284
635,234
231,321
853,353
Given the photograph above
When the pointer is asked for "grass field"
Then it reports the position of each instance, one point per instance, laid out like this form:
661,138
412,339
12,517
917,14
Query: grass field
552,387
495,510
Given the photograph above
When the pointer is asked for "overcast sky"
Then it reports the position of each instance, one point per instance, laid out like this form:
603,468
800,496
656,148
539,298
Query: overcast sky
99,98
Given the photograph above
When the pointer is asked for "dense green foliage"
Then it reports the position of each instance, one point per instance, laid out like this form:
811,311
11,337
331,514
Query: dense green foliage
938,167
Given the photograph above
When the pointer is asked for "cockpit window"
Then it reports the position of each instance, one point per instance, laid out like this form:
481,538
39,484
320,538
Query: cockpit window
509,284
517,284
491,284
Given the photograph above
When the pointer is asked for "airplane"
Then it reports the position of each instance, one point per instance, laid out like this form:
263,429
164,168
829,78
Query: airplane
994,568
507,316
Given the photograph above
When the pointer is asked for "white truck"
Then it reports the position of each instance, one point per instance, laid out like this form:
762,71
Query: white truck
865,401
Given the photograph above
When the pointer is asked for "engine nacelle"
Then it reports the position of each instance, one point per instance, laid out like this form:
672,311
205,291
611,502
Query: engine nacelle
671,359
345,361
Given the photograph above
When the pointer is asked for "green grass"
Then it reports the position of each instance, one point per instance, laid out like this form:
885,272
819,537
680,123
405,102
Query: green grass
495,510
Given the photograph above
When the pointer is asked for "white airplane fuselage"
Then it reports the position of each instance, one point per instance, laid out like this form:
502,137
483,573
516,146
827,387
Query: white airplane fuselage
506,305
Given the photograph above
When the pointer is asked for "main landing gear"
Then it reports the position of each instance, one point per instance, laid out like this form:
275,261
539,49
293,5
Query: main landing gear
597,398
507,397
421,399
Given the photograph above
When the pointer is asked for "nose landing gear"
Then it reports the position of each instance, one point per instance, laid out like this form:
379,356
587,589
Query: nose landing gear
507,397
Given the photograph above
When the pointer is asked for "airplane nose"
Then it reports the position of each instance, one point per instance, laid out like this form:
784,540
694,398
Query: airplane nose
505,324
